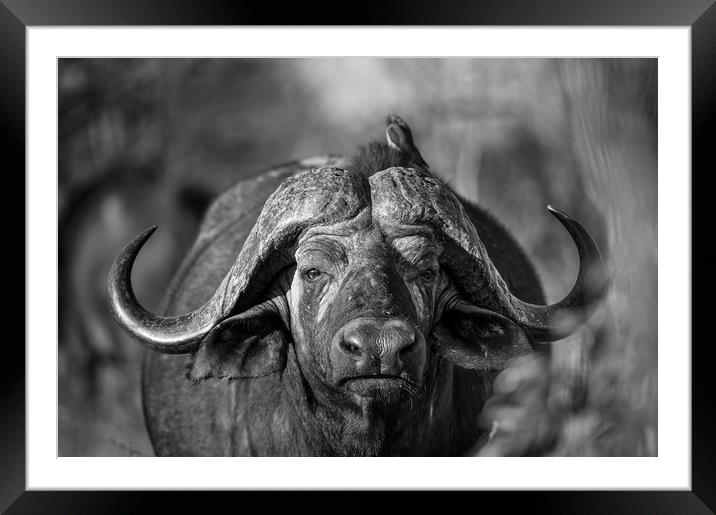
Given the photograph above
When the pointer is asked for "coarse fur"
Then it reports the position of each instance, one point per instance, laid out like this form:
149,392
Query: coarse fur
377,156
276,415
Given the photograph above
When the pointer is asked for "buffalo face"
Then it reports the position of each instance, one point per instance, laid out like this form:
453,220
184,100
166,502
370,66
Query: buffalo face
362,305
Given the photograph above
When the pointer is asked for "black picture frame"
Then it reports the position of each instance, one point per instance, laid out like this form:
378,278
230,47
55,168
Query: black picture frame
17,15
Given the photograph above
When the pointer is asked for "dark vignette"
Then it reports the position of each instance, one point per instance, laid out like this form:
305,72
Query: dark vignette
12,259
703,112
19,14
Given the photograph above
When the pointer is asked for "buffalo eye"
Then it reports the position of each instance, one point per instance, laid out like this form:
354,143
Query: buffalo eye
311,274
428,275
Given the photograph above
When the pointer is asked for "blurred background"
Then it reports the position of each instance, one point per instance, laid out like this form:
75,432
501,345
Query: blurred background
152,141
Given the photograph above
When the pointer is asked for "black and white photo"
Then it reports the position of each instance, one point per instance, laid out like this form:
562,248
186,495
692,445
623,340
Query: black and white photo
357,256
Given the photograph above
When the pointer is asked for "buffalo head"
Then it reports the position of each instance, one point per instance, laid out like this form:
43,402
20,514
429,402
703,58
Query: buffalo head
371,279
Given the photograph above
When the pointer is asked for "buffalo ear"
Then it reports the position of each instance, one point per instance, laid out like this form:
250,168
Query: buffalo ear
480,339
242,346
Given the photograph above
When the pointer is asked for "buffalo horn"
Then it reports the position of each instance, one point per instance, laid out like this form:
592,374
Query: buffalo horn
314,197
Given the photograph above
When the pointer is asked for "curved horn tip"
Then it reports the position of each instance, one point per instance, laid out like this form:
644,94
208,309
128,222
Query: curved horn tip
125,259
168,335
147,232
543,323
557,212
123,262
140,239
128,254
564,218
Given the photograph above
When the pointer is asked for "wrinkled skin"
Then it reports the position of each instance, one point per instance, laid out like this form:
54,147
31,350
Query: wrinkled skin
361,303
311,407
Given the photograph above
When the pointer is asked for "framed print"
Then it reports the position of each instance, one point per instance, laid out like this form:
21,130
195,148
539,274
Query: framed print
441,250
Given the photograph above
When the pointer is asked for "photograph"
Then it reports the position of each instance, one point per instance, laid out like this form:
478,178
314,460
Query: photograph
357,256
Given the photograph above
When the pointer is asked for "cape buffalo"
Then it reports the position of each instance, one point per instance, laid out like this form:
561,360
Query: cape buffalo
365,311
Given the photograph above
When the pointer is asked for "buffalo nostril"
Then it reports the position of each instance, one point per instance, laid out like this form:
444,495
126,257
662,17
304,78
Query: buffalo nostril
406,343
406,347
351,344
350,348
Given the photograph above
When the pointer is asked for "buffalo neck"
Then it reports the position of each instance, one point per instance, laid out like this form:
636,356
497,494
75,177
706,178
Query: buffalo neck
429,424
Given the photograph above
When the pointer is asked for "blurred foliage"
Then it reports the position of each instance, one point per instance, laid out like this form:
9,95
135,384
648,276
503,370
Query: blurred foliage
150,142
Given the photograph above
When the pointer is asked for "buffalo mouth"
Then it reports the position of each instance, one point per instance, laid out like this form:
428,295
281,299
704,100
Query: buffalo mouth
381,386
